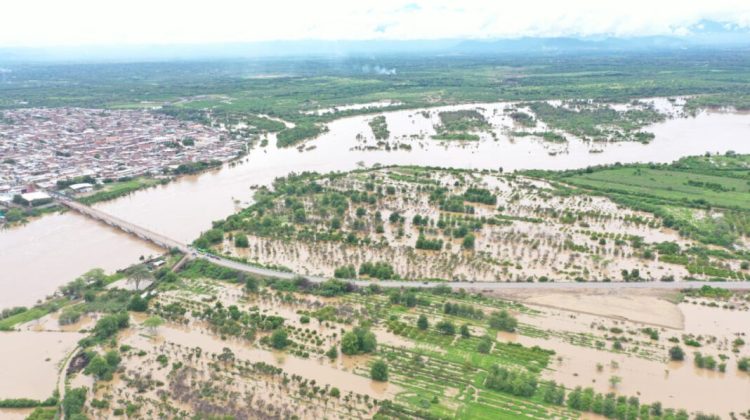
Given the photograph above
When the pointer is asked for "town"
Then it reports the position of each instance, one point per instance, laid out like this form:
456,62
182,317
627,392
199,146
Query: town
40,146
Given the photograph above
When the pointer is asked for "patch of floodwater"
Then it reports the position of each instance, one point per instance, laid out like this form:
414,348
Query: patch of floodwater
51,322
29,362
705,320
320,370
677,385
50,251
15,413
392,339
636,308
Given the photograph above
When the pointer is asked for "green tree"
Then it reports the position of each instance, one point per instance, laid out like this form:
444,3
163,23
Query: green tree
359,340
99,368
138,274
349,343
113,358
152,323
226,356
332,353
379,371
502,320
446,327
299,215
137,304
251,285
422,322
485,345
676,353
74,401
14,215
240,241
107,326
279,339
468,242
465,332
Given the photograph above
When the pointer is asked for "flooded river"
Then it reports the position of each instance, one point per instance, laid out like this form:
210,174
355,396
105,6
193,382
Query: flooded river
37,258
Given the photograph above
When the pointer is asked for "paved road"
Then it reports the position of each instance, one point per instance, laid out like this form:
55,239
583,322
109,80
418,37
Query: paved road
169,243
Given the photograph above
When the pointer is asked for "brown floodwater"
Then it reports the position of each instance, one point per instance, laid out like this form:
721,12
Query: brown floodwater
724,323
15,413
674,384
38,258
321,370
29,362
48,252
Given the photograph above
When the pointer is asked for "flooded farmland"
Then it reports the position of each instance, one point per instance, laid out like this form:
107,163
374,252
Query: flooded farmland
645,372
68,245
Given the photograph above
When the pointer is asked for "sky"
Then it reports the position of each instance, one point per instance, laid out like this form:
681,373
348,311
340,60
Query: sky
49,23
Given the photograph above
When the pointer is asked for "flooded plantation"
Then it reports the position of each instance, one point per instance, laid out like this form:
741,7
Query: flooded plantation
451,225
583,337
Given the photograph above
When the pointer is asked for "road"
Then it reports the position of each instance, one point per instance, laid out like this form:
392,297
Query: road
190,252
482,286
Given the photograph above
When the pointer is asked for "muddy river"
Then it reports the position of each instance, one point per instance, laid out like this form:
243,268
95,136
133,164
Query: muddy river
40,256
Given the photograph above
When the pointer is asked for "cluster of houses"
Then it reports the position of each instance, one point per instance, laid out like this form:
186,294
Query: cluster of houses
40,146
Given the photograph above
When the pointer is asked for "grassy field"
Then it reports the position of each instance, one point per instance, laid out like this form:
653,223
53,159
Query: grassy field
704,197
118,189
670,185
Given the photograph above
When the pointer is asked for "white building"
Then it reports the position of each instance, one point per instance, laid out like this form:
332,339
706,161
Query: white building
83,187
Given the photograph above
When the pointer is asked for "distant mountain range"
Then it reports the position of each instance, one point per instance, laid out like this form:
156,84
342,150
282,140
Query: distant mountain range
702,35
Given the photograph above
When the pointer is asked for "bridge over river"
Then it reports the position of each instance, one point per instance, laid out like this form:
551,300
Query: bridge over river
170,244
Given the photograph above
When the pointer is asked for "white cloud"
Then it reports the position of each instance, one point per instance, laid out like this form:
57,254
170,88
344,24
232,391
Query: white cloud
77,22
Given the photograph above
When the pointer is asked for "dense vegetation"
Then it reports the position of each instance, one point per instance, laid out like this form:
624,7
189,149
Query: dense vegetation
460,125
299,133
224,88
597,122
379,127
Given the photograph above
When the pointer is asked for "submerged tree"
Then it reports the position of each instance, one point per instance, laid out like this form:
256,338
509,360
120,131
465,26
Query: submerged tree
379,371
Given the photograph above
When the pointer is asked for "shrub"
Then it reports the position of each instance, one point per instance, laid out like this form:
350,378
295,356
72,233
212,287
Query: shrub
359,340
279,339
422,322
379,371
446,327
240,241
485,345
74,401
502,320
512,381
465,332
676,353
